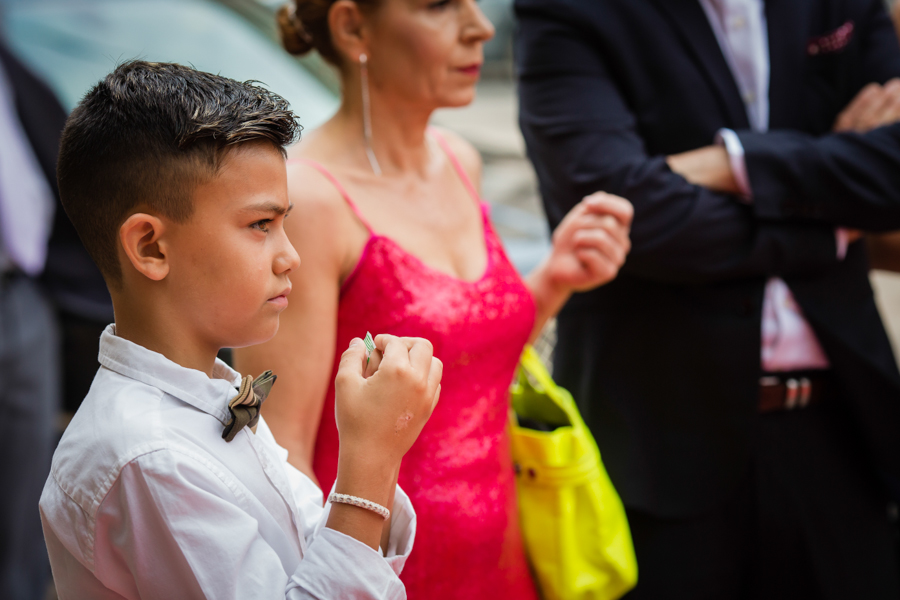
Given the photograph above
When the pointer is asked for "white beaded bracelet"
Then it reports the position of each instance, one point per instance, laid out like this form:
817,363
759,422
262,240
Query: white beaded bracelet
360,502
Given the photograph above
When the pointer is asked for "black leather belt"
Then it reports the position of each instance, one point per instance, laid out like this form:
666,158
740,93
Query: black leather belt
786,391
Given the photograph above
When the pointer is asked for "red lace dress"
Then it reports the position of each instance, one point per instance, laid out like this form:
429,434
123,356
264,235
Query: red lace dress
458,473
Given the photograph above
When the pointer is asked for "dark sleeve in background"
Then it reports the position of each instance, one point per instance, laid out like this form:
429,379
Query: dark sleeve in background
70,276
846,179
582,137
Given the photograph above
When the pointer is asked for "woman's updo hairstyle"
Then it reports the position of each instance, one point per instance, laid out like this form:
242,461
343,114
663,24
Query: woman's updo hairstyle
303,25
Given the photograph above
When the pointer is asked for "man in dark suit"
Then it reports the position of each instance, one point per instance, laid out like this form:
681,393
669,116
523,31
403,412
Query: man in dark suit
736,375
45,274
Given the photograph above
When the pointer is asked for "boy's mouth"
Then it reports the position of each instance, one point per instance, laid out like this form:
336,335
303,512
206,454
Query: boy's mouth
281,299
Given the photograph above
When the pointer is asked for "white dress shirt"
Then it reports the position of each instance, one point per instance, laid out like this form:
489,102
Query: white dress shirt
788,341
26,202
146,500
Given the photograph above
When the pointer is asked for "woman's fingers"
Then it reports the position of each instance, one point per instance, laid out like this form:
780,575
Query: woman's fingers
601,268
601,241
608,223
608,204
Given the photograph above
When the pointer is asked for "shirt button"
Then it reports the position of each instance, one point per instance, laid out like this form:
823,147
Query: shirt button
749,97
738,22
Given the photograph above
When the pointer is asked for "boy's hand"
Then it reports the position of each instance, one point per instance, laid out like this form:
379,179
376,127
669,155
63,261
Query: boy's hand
380,410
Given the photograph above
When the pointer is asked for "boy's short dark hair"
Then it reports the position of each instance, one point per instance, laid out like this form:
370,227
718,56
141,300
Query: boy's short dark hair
143,139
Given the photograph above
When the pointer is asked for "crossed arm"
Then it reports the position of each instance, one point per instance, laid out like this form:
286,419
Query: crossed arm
873,107
583,137
689,226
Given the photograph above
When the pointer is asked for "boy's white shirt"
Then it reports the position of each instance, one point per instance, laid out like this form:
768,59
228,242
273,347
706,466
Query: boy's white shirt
146,500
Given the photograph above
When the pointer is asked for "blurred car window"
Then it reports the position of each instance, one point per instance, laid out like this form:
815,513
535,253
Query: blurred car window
74,43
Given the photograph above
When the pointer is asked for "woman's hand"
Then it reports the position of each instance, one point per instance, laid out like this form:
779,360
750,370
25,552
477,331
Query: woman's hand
589,248
591,243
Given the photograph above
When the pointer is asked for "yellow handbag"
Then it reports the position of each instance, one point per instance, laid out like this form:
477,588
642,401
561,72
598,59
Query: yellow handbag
573,522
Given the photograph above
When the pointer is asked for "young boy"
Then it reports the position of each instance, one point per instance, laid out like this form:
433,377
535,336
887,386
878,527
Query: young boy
166,483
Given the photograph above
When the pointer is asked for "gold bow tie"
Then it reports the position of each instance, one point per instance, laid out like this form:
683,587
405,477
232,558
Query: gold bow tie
245,406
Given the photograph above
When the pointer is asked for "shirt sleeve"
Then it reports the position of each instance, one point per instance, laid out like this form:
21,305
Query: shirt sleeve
732,143
309,499
735,149
176,525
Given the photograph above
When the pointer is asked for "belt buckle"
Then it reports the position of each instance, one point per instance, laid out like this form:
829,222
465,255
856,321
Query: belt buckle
798,393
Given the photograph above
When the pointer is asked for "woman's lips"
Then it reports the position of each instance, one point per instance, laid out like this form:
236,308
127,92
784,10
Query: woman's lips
474,69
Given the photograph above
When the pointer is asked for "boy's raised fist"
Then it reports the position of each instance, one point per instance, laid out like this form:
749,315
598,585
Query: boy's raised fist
380,410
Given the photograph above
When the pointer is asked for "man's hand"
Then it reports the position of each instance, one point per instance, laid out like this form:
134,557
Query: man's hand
709,167
895,16
874,106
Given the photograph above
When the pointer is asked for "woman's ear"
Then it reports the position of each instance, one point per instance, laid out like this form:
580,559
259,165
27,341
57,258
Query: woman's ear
347,25
142,239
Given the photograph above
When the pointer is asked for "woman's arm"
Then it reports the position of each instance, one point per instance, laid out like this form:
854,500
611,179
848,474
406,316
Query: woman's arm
302,352
589,248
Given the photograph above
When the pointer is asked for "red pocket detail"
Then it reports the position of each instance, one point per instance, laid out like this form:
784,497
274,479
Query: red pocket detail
835,41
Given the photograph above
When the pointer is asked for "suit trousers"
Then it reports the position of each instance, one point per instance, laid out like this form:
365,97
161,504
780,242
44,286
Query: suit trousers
808,521
29,401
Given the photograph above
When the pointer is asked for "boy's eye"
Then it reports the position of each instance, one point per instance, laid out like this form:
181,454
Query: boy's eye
262,225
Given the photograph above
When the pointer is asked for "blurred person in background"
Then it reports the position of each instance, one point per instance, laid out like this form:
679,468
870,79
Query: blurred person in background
390,208
737,376
30,123
53,307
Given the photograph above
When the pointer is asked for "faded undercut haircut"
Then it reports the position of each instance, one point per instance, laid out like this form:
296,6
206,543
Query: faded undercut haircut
145,136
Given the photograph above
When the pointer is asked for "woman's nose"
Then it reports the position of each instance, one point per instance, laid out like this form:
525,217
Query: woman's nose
479,28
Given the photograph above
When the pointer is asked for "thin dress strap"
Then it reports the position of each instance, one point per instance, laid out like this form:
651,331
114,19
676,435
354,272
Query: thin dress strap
337,184
442,142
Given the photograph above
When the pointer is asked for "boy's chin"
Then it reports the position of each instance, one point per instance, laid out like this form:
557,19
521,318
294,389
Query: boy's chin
257,335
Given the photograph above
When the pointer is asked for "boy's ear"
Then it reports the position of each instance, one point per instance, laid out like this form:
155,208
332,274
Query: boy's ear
141,236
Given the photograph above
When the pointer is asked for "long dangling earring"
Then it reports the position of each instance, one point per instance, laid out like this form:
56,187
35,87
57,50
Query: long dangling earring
367,114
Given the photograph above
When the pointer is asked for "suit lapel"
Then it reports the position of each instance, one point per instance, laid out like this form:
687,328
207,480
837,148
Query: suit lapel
689,20
787,52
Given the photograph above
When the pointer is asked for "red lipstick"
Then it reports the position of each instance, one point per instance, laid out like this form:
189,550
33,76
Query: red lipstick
474,69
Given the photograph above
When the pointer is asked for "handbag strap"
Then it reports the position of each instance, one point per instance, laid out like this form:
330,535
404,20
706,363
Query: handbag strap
530,364
532,369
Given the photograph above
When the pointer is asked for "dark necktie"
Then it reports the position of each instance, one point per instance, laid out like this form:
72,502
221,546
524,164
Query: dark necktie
244,407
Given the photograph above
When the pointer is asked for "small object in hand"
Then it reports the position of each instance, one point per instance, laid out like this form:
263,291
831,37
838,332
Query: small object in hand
370,347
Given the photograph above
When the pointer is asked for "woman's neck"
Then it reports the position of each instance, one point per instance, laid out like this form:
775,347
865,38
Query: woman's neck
399,138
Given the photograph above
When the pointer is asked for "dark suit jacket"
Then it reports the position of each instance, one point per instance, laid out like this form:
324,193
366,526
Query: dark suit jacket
70,275
665,361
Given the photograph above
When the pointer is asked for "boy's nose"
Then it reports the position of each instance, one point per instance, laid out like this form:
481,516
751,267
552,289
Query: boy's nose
287,259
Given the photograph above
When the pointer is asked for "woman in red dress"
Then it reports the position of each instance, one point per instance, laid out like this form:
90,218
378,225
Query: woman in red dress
394,238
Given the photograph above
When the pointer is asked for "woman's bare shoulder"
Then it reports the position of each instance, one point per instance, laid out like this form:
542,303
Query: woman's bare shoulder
310,187
468,155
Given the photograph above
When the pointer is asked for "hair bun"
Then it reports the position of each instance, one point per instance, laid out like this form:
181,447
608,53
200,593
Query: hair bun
294,37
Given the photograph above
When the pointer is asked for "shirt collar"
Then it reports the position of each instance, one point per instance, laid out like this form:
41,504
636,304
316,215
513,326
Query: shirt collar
211,395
